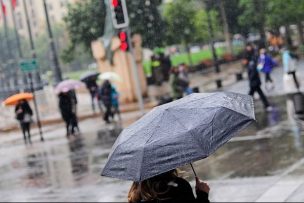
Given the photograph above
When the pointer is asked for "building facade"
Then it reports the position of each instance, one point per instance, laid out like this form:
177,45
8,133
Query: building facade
57,10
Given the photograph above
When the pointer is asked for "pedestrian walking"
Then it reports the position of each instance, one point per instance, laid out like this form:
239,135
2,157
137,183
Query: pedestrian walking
106,97
157,70
168,188
176,88
266,65
290,60
66,110
166,66
93,89
250,60
24,115
115,103
184,79
74,121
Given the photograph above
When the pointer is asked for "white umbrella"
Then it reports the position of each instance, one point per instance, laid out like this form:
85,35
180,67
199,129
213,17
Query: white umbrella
110,76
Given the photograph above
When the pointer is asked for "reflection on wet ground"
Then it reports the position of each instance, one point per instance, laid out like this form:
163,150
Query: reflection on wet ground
64,169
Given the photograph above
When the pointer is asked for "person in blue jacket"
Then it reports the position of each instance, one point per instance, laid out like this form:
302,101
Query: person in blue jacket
115,103
266,65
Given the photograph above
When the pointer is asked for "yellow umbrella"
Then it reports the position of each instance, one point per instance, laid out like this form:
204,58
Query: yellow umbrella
13,100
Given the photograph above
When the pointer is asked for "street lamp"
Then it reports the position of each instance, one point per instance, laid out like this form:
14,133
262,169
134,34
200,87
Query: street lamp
58,74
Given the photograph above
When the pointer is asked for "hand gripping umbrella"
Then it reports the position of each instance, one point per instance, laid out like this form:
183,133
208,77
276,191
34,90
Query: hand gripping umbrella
178,133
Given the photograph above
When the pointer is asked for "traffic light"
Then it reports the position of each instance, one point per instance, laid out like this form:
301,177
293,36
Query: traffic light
124,42
119,13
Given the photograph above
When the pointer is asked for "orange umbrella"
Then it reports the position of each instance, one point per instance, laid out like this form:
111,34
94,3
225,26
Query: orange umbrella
13,100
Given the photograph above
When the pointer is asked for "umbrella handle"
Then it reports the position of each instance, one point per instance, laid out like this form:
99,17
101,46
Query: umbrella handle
193,170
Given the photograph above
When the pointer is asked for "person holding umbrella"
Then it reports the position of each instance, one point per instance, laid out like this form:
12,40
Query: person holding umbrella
23,111
66,110
166,188
106,97
90,81
174,135
24,115
67,103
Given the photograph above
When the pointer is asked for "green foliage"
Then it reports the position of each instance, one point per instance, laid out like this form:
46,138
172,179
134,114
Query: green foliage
85,23
283,12
187,22
146,20
254,13
179,17
201,24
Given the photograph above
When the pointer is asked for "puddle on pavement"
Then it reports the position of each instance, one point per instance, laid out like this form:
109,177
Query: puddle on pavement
57,170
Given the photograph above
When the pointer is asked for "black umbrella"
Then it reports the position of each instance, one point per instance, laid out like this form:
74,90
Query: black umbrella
89,76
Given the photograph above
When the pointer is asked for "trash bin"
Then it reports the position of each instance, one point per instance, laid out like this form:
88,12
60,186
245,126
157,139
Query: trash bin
298,100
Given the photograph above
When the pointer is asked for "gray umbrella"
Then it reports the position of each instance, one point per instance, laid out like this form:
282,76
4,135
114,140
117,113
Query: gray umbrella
178,133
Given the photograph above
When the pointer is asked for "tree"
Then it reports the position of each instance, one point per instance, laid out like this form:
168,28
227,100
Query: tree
284,13
254,16
146,20
179,17
85,23
201,26
226,26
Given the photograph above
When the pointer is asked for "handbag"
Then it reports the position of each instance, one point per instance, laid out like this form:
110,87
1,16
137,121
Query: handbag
27,118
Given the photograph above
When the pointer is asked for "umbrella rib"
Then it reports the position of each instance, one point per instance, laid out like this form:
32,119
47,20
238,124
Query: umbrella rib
137,132
143,149
184,126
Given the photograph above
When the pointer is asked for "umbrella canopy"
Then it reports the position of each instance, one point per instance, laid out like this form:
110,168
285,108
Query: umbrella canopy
68,85
178,133
110,76
13,100
89,76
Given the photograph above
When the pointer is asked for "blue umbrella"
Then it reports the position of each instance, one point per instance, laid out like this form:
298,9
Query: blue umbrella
178,133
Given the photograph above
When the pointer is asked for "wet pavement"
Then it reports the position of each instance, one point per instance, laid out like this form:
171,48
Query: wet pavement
261,162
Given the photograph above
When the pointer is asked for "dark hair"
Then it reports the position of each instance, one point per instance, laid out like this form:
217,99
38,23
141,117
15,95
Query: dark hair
152,188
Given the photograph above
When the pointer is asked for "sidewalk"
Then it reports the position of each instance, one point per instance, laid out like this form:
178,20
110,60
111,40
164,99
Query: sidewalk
50,115
83,114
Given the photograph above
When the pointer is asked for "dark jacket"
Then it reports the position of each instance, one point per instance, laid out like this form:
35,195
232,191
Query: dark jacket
180,191
253,74
92,86
26,109
66,106
106,93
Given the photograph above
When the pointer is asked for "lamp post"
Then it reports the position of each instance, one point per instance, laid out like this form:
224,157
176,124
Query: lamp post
30,76
58,74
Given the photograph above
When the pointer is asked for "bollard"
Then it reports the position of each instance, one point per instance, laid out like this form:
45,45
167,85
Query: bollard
219,83
196,90
298,101
239,77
